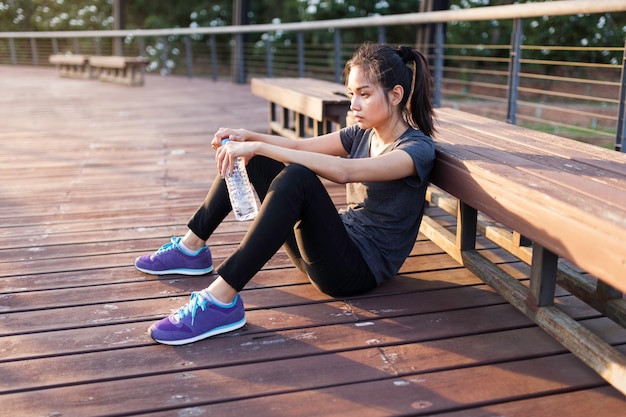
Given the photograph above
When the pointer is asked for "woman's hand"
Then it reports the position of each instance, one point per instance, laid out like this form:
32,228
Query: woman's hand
236,135
226,154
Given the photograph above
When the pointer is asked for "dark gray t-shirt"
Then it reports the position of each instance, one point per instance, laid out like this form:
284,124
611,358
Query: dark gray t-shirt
383,218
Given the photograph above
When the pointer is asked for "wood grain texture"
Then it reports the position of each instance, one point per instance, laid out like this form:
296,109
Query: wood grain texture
95,174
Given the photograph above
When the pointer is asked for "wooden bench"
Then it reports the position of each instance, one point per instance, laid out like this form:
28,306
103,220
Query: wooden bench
72,66
119,69
301,107
557,204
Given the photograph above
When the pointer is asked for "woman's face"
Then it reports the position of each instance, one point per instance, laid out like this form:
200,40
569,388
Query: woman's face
368,100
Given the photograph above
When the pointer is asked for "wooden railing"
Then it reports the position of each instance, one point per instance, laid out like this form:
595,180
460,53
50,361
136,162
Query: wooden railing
581,99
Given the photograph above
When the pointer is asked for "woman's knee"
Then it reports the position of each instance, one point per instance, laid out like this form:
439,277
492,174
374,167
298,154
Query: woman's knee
300,171
294,175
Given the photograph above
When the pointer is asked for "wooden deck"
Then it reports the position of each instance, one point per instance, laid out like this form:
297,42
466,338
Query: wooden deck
94,174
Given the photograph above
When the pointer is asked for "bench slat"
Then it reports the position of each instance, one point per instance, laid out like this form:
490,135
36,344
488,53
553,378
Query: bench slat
68,59
542,143
562,178
116,61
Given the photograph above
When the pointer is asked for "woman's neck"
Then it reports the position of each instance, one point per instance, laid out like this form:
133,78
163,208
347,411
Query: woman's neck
382,138
389,133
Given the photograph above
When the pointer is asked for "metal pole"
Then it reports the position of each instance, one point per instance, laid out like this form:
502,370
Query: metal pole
189,57
514,69
239,66
300,54
164,57
338,61
118,24
212,48
269,57
382,34
621,113
240,18
438,70
33,48
12,49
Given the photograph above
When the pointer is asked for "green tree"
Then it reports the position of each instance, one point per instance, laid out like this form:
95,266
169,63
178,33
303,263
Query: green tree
606,30
45,15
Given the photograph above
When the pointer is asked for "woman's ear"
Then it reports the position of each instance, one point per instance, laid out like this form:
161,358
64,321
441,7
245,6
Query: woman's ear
396,94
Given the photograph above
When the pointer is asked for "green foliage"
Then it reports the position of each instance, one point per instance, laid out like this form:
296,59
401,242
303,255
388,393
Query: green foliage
46,15
583,30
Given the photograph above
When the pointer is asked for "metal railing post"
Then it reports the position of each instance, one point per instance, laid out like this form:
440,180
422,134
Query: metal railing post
438,70
239,63
338,61
141,45
12,49
213,52
514,69
382,34
164,56
269,57
118,46
300,54
189,57
621,113
33,49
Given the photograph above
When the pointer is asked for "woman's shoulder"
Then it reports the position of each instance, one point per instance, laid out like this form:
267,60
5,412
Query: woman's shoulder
353,131
353,134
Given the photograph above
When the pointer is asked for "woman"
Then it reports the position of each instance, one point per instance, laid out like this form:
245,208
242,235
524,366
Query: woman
387,157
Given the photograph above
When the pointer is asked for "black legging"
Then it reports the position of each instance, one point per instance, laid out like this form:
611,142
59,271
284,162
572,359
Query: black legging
296,211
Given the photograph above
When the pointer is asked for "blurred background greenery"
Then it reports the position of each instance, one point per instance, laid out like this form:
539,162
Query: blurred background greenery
66,15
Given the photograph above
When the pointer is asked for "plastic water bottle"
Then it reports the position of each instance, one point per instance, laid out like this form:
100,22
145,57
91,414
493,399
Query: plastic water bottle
240,191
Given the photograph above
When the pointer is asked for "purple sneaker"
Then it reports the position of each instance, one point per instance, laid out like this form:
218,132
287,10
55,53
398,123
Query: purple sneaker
198,319
169,259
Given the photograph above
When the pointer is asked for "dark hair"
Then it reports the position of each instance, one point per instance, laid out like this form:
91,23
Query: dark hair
388,66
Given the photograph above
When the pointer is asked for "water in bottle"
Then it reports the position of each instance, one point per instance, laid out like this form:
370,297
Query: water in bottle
240,191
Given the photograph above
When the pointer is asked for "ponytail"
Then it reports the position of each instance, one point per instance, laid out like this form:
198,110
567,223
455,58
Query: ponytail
390,67
420,108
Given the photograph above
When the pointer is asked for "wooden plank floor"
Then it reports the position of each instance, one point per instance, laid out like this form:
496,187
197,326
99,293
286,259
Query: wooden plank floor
94,174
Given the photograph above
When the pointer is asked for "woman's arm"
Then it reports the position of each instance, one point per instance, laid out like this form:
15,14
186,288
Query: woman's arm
329,144
393,165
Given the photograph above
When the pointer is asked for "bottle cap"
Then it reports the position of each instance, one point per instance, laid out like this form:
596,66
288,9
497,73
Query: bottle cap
225,140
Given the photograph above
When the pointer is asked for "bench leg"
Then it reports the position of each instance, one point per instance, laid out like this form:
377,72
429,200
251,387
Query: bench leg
272,116
285,119
543,275
467,221
318,128
536,302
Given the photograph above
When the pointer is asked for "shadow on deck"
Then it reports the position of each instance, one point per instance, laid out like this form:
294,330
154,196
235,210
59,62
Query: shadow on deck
94,174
